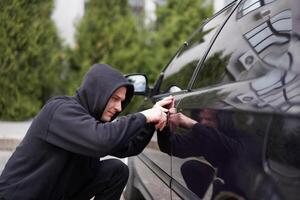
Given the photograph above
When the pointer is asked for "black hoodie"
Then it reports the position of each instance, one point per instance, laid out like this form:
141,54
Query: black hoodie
67,137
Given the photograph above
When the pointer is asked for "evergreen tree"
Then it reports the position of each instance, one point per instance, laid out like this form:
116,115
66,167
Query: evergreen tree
29,57
106,34
176,21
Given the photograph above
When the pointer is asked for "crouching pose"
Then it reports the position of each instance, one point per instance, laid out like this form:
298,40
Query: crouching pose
59,155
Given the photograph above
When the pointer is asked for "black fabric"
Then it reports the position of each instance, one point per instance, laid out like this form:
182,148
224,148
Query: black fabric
66,139
108,182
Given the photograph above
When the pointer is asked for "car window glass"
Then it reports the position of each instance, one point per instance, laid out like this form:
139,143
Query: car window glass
249,5
245,51
283,148
181,68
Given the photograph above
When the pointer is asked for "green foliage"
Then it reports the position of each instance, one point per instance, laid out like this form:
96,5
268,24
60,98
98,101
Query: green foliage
175,23
29,55
212,71
34,66
107,34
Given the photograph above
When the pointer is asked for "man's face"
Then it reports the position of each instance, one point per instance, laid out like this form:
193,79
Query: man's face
114,104
208,118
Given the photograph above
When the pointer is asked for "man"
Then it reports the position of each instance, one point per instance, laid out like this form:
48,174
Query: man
59,155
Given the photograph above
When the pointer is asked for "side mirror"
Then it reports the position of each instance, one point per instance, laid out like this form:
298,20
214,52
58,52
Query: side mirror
139,82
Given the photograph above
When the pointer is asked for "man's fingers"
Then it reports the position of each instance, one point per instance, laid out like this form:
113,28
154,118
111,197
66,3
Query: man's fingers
166,101
159,125
161,108
164,109
162,122
173,103
162,127
172,110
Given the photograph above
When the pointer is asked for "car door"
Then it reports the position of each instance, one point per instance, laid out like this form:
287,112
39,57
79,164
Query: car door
177,76
174,80
234,94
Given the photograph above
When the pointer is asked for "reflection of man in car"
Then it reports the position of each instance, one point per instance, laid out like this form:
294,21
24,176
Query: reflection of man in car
212,135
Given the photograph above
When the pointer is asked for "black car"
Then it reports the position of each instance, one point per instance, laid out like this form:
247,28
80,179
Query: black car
238,77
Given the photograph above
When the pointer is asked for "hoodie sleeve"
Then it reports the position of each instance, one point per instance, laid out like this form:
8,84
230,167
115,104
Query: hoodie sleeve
73,129
137,144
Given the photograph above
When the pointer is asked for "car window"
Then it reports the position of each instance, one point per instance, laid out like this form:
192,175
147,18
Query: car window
249,5
180,70
243,50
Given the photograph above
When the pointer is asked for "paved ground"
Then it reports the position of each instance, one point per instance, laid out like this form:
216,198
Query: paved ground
4,155
11,133
14,130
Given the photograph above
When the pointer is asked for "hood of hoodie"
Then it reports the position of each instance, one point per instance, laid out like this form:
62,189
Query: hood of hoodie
100,82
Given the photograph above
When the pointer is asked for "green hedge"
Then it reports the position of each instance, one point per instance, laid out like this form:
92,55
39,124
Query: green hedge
35,66
29,57
106,34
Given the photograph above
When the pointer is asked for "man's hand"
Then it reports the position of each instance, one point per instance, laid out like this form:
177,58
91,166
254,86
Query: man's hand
158,113
177,120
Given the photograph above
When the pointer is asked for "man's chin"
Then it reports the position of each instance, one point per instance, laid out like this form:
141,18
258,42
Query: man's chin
106,119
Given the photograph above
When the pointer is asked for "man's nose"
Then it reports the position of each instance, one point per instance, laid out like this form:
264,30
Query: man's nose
119,106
